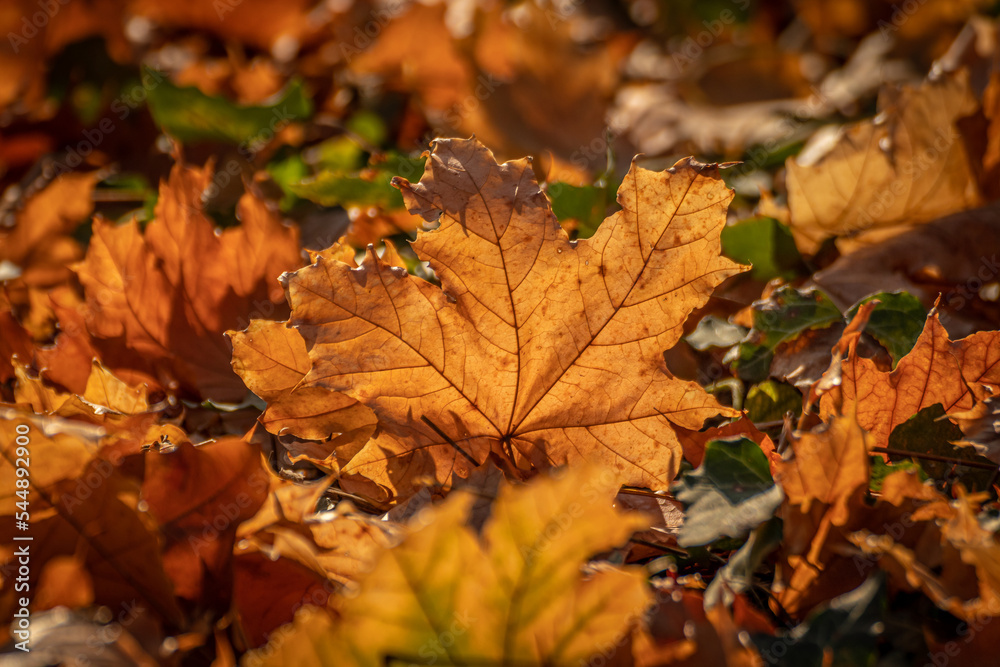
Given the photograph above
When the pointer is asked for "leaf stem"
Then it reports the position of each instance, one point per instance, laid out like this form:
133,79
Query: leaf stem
934,457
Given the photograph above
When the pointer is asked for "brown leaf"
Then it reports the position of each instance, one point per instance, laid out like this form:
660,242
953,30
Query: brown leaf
679,631
906,166
936,370
693,442
824,483
285,526
200,495
271,359
170,293
14,340
91,513
954,257
537,349
40,243
967,546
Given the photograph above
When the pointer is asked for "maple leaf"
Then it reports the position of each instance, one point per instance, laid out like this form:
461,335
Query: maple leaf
878,174
40,244
81,506
286,555
272,359
536,348
199,496
681,631
824,481
168,294
529,603
936,370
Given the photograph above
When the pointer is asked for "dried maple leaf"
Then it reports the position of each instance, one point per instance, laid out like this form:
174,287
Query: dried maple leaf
199,496
39,243
272,359
906,166
968,557
170,293
537,349
824,483
529,603
14,339
680,631
287,556
85,507
937,370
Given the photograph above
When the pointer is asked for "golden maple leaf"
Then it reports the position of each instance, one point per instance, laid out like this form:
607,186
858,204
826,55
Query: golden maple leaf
908,166
272,359
537,349
529,603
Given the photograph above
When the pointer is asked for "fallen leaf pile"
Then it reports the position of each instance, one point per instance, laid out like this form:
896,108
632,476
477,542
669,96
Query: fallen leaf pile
352,333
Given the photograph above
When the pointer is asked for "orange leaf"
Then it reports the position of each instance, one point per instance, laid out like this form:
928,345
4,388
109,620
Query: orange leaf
272,360
537,349
170,293
936,370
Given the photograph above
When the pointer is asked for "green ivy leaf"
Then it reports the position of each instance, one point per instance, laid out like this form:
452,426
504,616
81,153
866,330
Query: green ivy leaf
729,494
782,317
928,432
896,322
765,243
770,400
737,574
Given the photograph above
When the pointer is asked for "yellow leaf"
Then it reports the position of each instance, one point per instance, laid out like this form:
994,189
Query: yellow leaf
907,166
526,601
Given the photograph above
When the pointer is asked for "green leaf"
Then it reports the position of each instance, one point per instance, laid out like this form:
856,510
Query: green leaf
843,633
286,172
369,126
729,494
928,432
782,317
372,187
770,400
896,322
188,114
765,243
587,204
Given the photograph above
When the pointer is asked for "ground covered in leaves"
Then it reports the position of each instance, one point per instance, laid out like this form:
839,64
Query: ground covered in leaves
352,333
